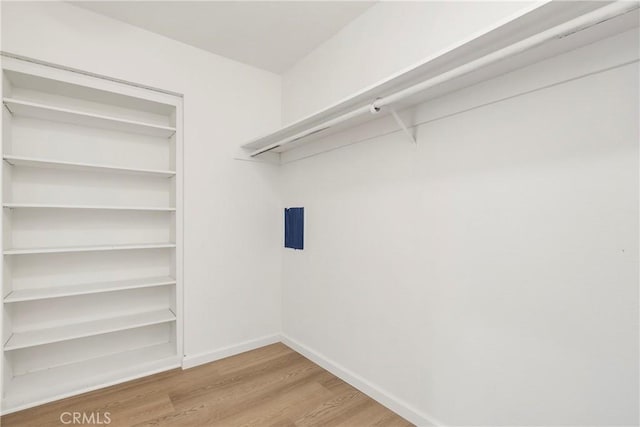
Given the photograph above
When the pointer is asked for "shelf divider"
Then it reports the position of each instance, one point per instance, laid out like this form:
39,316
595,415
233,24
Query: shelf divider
63,249
53,113
86,207
78,166
35,337
32,294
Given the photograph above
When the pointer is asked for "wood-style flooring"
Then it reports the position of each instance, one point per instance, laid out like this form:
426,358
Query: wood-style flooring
270,386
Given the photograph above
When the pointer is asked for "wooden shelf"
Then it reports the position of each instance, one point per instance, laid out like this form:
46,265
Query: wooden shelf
35,337
61,381
528,23
53,113
21,295
96,207
89,167
25,251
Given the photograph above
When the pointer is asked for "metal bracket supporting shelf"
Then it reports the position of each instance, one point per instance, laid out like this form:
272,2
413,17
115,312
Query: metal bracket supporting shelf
404,128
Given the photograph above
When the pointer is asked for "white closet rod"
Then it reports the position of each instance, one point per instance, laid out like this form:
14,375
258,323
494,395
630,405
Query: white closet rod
577,24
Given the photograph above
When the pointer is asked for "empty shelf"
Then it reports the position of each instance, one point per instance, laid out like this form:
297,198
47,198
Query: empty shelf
26,251
20,295
77,166
65,115
97,207
62,381
86,329
461,65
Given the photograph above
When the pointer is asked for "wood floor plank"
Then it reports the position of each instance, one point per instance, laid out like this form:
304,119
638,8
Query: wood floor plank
333,410
249,359
277,407
373,414
269,386
223,403
136,412
251,377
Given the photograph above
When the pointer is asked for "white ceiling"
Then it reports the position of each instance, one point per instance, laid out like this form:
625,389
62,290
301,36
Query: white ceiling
272,35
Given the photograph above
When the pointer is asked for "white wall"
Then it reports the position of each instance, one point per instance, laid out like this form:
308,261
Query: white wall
387,38
232,267
488,275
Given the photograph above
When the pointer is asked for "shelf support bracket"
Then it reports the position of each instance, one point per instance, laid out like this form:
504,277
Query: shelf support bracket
404,128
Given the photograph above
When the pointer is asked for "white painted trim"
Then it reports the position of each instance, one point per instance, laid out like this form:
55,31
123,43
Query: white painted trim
375,392
383,397
86,73
77,77
3,333
190,361
178,139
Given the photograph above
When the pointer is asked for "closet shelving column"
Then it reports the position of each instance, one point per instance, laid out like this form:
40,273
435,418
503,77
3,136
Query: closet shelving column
92,233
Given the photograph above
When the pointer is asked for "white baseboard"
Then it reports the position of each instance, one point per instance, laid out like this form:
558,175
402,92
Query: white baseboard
387,399
190,361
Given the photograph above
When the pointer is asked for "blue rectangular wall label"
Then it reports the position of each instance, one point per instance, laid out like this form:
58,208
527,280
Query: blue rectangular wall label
294,228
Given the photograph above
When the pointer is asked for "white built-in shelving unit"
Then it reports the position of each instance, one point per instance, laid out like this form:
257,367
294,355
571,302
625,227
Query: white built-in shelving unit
91,235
